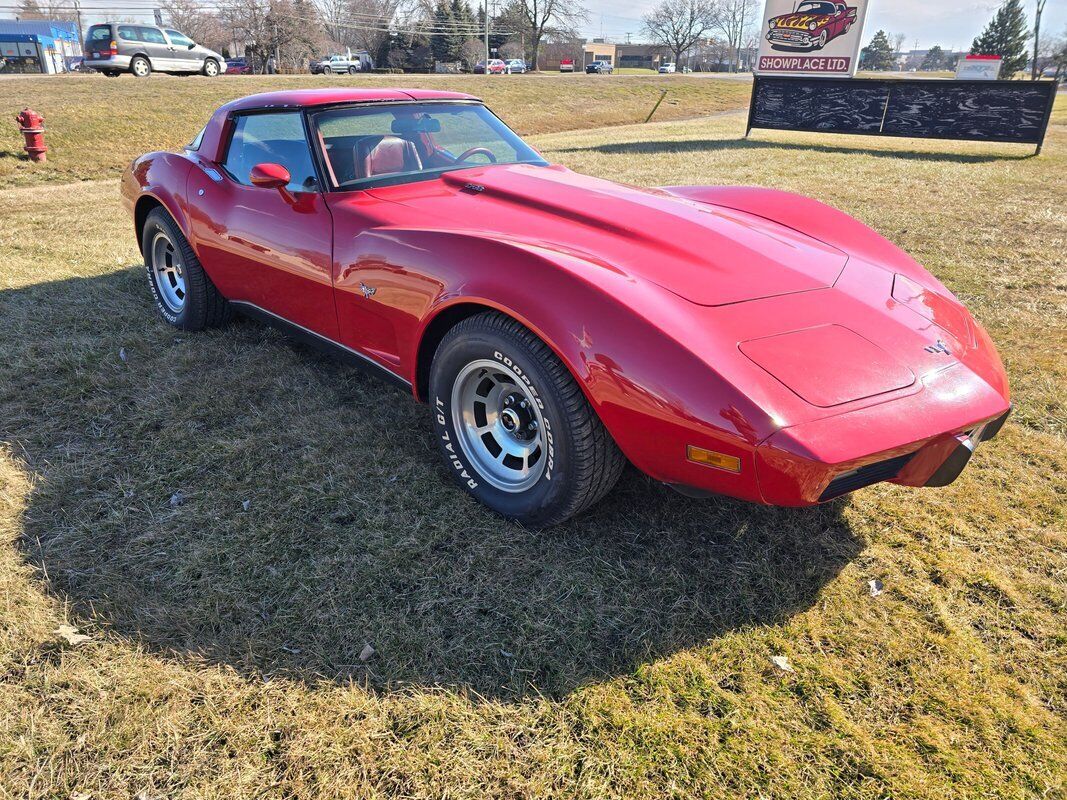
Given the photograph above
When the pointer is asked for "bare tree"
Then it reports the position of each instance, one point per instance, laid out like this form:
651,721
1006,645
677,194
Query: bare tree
735,18
679,25
189,17
46,9
547,17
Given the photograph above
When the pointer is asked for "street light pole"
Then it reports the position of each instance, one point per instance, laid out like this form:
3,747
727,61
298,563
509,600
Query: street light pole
486,38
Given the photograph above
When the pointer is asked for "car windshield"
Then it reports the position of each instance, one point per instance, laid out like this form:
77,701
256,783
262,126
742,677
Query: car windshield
817,8
415,141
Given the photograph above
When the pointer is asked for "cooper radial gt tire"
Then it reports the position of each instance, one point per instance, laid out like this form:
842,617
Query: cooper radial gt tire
513,425
183,292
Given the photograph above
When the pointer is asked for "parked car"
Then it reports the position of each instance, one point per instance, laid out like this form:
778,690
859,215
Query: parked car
114,48
337,64
515,66
733,340
599,68
811,26
238,66
667,68
496,67
566,65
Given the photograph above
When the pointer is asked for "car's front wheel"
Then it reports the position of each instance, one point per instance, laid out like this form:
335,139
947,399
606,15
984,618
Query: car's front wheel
183,292
513,425
211,68
140,67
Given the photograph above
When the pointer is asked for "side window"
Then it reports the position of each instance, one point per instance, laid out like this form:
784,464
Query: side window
274,138
128,32
179,39
152,35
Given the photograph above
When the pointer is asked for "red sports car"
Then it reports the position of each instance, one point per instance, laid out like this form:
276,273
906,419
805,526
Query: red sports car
811,26
728,340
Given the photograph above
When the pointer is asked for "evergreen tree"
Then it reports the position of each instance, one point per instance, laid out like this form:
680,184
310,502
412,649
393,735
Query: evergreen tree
935,59
442,22
463,23
1005,36
878,55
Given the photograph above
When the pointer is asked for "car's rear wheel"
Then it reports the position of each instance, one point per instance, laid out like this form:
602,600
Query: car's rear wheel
352,70
183,292
514,427
211,68
140,67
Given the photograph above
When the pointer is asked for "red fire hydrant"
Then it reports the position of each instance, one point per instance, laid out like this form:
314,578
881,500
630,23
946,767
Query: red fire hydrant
31,126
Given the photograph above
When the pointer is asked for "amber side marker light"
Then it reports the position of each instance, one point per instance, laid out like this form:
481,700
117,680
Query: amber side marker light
709,458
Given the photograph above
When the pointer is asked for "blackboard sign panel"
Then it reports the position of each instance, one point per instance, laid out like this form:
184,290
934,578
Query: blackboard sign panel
845,106
993,111
1009,112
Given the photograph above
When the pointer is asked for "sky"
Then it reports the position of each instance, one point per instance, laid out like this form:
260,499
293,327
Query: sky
949,23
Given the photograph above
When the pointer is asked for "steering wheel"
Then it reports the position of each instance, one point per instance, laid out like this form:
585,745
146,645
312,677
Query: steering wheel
477,151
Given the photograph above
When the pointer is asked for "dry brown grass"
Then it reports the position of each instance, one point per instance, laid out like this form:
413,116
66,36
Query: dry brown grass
626,654
96,125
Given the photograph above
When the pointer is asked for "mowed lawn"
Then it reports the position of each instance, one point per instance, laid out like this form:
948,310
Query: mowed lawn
97,125
625,654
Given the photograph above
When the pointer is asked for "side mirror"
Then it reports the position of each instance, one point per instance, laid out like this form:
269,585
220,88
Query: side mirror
192,45
269,176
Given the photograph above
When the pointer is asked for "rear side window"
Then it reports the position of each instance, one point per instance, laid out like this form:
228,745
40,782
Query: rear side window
275,138
100,33
129,33
153,35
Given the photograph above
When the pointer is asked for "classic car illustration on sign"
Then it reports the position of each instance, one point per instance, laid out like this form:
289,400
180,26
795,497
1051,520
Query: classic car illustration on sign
811,26
811,37
731,340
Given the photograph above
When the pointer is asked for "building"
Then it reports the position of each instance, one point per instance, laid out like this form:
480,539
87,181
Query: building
638,56
36,46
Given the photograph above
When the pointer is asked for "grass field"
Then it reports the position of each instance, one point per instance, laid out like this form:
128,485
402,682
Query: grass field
625,654
96,126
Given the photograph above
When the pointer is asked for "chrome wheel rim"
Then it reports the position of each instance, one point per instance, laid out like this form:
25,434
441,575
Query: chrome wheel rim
168,272
499,425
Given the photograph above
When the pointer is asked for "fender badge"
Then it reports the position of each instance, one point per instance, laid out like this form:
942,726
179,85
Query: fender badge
368,291
939,347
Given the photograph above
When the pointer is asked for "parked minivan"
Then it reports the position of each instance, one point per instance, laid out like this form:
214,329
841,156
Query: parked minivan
113,48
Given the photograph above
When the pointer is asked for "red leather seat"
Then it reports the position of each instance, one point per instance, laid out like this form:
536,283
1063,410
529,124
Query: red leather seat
386,155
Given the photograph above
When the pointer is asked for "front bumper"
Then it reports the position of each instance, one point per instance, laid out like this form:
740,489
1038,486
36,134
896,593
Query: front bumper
107,64
827,458
788,37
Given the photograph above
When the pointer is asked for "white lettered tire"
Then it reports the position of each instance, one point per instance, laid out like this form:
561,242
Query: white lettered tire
513,425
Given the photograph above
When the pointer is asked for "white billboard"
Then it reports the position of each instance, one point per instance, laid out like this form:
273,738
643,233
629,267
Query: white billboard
811,37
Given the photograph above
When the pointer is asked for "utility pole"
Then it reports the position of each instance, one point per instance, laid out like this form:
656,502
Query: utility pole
78,14
1034,70
486,38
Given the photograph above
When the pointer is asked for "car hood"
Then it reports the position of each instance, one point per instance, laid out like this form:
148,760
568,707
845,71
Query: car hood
709,255
801,21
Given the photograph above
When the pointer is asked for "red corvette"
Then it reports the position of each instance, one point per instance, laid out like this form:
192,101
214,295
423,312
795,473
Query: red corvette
811,25
728,340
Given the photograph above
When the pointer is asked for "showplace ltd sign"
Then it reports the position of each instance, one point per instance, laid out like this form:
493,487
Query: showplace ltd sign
811,37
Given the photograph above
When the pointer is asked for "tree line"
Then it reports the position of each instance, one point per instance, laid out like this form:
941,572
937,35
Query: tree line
1007,35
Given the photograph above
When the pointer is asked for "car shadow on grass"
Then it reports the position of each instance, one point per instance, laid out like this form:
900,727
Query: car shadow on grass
653,147
235,498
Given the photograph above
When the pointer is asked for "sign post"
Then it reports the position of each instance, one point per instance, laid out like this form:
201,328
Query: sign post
811,38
